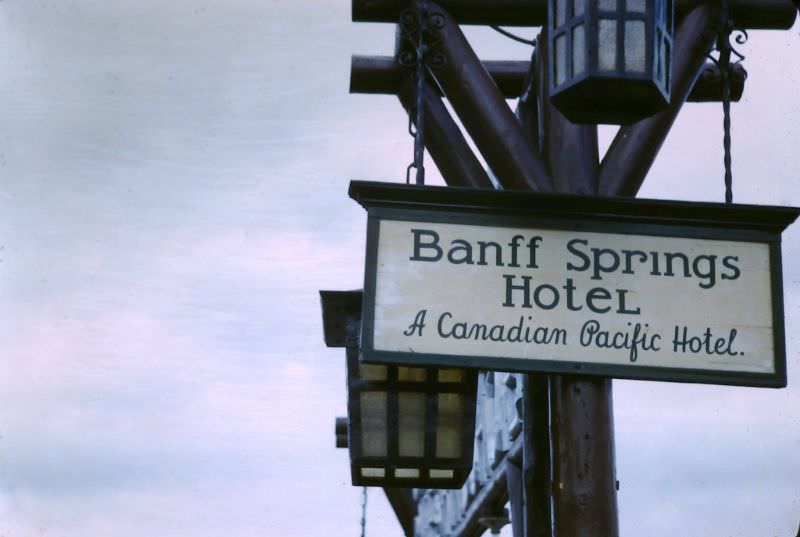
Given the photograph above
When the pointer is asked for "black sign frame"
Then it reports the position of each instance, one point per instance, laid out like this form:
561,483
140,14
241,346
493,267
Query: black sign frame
702,220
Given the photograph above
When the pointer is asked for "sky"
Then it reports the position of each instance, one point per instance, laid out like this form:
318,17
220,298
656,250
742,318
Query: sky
173,195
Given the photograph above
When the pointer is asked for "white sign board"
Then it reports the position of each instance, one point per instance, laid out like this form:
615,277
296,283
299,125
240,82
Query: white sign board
682,301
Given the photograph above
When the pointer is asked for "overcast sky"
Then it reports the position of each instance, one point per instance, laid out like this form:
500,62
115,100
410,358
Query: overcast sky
173,179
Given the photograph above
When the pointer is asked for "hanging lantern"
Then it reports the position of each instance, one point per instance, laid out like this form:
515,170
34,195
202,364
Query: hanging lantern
610,60
407,426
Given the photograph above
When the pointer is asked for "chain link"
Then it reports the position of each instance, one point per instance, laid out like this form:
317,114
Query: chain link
416,115
725,52
724,46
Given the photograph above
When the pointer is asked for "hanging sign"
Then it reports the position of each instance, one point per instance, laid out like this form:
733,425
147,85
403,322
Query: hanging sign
626,288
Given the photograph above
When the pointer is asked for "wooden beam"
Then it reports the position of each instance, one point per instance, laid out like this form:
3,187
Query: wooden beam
516,487
402,501
483,110
584,474
536,457
750,14
383,75
569,149
493,493
635,146
527,113
571,418
505,12
444,141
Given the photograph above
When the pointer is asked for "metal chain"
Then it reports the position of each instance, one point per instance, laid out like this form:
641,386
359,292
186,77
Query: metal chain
725,51
724,46
420,31
419,107
364,512
416,116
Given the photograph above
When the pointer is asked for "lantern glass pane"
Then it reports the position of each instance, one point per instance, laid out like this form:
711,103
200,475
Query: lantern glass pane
636,6
635,47
450,375
411,374
411,422
371,372
561,59
659,62
442,474
607,44
607,5
561,12
577,8
407,473
578,50
373,472
448,425
373,424
667,57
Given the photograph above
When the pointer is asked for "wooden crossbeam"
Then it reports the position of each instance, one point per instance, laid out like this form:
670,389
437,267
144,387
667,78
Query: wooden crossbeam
383,75
750,14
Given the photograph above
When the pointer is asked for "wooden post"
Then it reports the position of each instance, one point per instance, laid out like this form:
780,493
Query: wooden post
572,434
515,483
569,150
584,476
537,457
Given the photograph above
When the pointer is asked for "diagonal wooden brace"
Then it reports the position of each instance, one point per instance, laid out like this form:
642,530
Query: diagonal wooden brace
446,144
483,110
383,75
635,146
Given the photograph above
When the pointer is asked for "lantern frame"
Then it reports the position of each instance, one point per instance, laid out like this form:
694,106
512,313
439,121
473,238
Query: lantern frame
594,82
430,460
